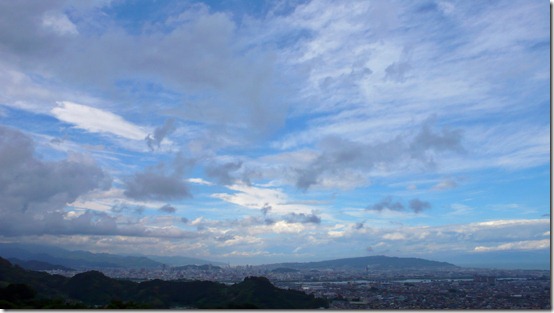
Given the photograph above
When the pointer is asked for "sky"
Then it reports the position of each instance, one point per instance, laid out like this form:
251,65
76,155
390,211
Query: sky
255,132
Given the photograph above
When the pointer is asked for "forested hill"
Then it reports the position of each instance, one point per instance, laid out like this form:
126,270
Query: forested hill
371,262
26,289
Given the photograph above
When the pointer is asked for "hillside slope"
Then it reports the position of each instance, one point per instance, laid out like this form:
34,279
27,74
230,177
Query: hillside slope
371,262
94,289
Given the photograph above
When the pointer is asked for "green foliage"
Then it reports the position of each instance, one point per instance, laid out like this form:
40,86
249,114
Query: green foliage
119,305
31,290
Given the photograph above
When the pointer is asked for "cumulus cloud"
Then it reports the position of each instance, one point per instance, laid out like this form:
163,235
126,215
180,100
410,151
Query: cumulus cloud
154,140
303,218
150,185
222,172
26,181
388,203
33,193
427,140
284,227
155,184
167,208
417,205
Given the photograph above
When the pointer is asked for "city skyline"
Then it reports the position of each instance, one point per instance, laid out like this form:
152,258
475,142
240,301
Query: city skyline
255,132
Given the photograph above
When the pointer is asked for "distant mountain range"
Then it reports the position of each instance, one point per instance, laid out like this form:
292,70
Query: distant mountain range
84,259
48,256
181,260
370,262
38,265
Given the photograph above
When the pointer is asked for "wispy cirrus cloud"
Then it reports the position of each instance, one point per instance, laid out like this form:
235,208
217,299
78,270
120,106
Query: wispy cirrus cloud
517,245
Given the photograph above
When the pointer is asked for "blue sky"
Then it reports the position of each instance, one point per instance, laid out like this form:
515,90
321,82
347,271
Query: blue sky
255,132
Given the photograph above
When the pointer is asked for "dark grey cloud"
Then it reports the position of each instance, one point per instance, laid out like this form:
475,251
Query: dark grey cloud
184,220
265,209
154,140
167,208
339,154
222,172
22,31
308,177
359,225
388,203
150,185
426,140
417,205
34,193
160,183
55,222
302,218
27,182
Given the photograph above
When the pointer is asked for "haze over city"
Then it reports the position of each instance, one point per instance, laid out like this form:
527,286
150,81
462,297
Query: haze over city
252,132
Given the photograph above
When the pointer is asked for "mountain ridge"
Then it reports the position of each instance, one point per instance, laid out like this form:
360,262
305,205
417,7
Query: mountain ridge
378,262
86,259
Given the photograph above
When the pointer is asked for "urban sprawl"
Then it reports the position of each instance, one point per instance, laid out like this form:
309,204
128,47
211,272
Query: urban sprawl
460,288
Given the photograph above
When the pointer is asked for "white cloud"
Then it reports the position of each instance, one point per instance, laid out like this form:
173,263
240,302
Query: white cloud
284,227
518,245
336,233
59,23
253,197
394,236
242,240
199,181
96,120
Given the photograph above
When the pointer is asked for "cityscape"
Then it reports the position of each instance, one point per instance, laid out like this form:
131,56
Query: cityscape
437,288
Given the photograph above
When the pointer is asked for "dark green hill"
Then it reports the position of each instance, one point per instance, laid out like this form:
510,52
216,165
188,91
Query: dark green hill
259,292
94,289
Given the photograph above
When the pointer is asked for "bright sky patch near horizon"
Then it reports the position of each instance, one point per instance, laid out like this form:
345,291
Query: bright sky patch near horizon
265,131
